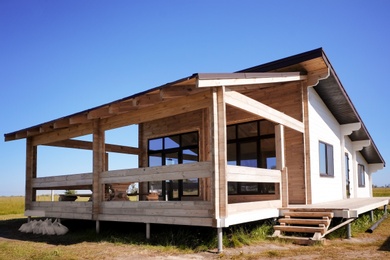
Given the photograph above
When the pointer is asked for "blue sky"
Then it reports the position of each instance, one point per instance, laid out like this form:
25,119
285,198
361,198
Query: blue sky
61,57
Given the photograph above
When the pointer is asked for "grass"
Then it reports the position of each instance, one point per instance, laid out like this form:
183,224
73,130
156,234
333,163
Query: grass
118,238
381,192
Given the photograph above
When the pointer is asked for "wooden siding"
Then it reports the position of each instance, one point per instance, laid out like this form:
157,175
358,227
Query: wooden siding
64,182
198,213
64,209
158,173
287,98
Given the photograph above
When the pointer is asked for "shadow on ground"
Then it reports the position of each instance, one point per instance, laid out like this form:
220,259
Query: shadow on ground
385,246
113,232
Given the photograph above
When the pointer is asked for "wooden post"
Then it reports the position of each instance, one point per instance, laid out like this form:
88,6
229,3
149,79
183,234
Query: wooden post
98,147
31,172
281,163
219,154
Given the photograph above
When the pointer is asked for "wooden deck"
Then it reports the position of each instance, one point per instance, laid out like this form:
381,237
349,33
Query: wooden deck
347,208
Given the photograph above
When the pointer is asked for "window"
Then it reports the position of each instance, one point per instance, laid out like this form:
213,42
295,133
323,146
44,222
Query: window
326,159
169,150
361,176
251,144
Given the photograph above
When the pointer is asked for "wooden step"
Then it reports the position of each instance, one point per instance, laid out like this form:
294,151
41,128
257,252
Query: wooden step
307,214
305,221
301,229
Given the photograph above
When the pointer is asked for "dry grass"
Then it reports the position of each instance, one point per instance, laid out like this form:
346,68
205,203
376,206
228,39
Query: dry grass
82,242
381,192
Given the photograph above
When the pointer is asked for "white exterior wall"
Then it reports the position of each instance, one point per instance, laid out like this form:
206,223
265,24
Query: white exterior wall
363,192
324,127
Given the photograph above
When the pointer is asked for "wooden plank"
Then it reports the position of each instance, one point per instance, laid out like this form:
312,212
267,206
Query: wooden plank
78,144
157,204
158,111
300,229
236,79
303,221
250,206
250,105
249,216
251,174
159,173
309,214
188,221
58,182
63,134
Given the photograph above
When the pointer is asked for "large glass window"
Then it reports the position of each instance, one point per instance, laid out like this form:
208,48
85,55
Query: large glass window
251,144
170,150
326,159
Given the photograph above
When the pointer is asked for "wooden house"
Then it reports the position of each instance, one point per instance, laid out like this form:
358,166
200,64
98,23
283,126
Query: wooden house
217,150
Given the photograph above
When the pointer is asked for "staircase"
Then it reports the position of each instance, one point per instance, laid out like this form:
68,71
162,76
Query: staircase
313,225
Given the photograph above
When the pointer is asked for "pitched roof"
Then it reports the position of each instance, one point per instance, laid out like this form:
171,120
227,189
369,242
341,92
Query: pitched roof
330,90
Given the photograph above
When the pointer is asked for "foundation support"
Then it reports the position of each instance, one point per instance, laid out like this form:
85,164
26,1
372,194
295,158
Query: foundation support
97,226
220,240
147,230
349,232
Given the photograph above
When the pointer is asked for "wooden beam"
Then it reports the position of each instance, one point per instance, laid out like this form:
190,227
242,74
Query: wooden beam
250,174
98,167
250,105
61,123
101,112
80,118
236,79
161,110
63,134
31,172
78,144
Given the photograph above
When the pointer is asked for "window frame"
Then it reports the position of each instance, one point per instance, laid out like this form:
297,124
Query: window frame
236,141
180,149
328,160
361,176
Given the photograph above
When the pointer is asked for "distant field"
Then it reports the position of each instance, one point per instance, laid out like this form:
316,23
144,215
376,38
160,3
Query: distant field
381,192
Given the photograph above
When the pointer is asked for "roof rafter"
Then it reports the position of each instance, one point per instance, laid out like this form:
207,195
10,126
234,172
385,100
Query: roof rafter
250,78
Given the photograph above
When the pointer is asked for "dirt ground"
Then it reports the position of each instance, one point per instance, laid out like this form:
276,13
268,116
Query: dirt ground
362,246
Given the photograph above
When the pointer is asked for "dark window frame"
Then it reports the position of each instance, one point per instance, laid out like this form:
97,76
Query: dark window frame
180,150
237,188
328,159
361,176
